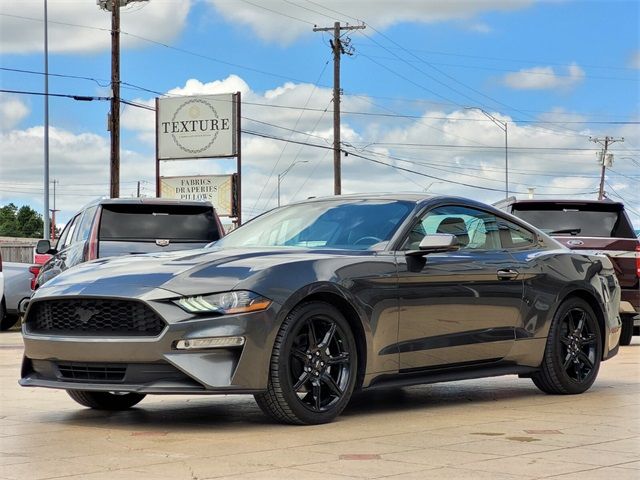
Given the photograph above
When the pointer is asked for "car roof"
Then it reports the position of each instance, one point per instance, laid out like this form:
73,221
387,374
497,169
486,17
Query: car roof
403,196
569,201
144,201
420,199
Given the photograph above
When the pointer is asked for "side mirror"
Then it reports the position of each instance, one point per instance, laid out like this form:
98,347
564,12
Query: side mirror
43,247
436,243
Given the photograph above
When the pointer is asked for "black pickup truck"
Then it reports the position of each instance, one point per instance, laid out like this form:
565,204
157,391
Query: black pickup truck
600,226
115,227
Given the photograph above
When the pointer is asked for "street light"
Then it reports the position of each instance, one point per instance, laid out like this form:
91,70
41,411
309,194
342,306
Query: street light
503,126
283,173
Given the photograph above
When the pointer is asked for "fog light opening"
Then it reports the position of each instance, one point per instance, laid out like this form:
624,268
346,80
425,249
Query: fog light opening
211,342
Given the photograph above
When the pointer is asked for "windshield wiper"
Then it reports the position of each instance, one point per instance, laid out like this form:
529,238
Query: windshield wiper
570,231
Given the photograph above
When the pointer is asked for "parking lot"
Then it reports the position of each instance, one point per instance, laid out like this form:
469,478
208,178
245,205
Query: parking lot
498,428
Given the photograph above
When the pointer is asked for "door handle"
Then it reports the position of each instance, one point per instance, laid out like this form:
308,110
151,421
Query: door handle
507,274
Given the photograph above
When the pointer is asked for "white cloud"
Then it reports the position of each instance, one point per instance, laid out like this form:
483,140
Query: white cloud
474,154
634,60
156,20
80,163
480,27
12,111
544,78
297,17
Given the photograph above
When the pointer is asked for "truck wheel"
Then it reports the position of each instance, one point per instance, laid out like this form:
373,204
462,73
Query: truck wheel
627,330
106,400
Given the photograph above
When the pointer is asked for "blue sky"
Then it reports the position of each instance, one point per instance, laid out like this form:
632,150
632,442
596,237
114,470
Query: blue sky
550,69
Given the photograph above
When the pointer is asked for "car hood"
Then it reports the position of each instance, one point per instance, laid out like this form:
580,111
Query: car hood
184,273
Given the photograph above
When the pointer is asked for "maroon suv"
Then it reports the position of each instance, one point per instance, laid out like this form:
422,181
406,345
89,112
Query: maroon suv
596,225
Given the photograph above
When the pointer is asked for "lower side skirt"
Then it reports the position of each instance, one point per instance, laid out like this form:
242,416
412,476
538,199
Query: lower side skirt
451,373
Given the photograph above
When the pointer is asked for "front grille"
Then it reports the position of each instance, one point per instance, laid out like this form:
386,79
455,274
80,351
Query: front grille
92,371
94,317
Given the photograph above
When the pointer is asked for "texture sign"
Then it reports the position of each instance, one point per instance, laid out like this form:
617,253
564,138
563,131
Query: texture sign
216,189
201,126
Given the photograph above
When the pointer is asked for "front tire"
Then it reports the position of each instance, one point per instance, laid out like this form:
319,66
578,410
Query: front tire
106,400
573,350
313,367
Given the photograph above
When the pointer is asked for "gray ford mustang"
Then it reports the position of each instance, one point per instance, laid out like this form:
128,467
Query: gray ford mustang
308,302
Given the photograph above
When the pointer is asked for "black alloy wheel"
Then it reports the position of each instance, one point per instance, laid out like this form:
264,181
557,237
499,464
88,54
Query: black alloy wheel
313,366
578,349
573,351
319,363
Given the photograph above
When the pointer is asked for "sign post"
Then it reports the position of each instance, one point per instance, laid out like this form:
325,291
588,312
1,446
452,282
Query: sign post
198,127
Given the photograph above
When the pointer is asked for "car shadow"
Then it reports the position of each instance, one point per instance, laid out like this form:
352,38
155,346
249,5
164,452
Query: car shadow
240,412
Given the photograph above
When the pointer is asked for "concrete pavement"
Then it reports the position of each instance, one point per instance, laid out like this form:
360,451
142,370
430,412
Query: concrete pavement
499,428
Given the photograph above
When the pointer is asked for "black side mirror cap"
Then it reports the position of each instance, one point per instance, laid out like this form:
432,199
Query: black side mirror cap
44,247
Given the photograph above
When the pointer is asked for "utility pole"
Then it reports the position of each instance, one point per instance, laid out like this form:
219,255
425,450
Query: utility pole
604,159
138,192
114,126
53,212
45,233
113,6
338,48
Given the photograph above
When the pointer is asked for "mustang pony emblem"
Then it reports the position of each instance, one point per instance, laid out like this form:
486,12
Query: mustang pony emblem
85,314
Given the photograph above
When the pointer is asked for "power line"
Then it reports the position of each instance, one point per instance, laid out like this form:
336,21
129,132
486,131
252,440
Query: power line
315,87
347,112
165,45
277,12
458,146
81,98
355,154
495,69
508,60
34,72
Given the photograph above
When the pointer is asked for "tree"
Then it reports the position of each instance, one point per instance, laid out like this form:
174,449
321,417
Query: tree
20,222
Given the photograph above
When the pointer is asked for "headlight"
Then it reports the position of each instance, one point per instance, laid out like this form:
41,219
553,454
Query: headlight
241,301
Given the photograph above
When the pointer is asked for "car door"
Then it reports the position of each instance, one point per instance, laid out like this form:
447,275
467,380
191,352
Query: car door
456,307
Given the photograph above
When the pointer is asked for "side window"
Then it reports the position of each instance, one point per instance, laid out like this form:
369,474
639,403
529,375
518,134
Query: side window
475,229
514,236
84,227
67,234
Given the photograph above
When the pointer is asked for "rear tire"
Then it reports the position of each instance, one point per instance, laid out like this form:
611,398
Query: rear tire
105,400
573,350
313,367
627,330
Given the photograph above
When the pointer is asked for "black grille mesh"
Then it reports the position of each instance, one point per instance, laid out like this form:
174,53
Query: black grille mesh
94,317
92,371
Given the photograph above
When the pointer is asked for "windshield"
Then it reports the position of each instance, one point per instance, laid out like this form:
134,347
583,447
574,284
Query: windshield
335,224
577,220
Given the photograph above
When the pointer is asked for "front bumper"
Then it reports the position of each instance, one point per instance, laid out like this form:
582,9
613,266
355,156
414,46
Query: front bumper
153,364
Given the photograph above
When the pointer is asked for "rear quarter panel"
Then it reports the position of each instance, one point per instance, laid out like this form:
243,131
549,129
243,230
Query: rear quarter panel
551,276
